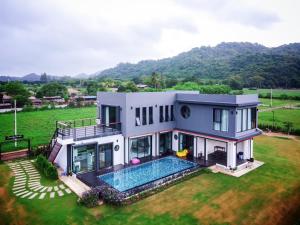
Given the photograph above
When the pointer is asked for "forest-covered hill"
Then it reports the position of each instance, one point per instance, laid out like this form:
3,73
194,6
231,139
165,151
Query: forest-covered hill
271,67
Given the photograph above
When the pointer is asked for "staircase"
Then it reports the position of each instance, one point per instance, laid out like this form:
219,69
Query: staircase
55,150
53,147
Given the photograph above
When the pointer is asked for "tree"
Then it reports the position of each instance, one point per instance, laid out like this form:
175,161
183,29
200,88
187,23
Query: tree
52,89
256,81
155,80
18,91
128,87
235,82
44,78
288,125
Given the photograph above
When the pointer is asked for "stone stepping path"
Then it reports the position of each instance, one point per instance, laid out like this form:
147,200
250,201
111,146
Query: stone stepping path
27,183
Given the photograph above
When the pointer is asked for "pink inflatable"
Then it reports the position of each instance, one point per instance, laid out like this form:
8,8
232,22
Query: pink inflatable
135,161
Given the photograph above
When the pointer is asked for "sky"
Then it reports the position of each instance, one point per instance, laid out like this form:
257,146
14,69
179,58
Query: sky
69,37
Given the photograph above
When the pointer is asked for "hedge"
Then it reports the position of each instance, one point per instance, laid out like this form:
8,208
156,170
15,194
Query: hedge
276,128
45,167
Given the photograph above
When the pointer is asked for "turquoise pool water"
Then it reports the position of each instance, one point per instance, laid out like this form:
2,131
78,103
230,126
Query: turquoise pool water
128,178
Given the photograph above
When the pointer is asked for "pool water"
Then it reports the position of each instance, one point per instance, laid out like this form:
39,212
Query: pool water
128,178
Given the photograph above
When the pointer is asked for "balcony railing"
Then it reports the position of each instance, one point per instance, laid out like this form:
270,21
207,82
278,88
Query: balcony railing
72,130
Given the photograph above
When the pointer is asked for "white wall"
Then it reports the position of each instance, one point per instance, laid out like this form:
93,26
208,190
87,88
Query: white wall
200,146
231,155
210,144
175,142
118,156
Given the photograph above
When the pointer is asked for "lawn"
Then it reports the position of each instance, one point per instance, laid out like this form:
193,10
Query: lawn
275,92
281,116
40,125
268,195
266,103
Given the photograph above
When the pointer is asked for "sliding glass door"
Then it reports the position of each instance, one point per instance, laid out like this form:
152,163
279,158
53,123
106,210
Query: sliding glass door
165,143
83,158
140,147
105,155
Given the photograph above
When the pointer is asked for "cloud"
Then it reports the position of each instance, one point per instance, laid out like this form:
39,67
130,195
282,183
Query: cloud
234,11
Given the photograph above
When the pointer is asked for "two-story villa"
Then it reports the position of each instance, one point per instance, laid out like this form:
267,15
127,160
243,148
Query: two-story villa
215,129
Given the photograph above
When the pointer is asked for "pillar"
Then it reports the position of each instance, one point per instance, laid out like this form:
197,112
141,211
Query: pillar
231,154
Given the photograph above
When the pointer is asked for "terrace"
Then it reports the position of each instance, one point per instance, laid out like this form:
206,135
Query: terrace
85,129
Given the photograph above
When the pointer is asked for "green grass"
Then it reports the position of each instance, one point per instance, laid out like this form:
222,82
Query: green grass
268,195
275,92
40,125
281,116
266,103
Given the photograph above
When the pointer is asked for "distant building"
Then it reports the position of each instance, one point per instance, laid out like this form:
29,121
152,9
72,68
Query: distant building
84,100
54,99
142,86
6,98
36,102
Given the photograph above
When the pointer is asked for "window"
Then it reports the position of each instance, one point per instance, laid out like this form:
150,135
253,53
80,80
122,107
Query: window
245,119
83,158
253,118
150,115
144,111
185,112
166,113
161,114
220,119
137,117
172,112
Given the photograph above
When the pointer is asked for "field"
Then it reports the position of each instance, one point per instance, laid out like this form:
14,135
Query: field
275,92
40,125
268,195
281,116
266,103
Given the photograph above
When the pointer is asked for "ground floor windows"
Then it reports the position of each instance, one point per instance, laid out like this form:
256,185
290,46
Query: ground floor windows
105,155
186,142
165,143
140,147
83,158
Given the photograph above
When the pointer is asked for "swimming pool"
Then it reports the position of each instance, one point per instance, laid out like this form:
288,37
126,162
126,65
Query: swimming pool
131,177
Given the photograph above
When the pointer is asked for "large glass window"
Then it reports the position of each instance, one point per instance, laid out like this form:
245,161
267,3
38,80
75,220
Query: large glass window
161,114
140,147
144,111
150,115
245,119
186,142
105,155
83,158
137,117
220,119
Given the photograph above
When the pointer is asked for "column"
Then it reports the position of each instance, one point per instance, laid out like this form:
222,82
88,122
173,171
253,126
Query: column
126,149
246,149
251,147
174,141
231,154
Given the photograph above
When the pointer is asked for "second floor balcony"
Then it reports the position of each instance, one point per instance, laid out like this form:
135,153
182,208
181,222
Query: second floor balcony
85,129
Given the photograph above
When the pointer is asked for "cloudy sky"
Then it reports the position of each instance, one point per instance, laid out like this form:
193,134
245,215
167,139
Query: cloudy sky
68,37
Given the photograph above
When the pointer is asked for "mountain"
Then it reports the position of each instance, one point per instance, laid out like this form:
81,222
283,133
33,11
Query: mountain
277,67
32,77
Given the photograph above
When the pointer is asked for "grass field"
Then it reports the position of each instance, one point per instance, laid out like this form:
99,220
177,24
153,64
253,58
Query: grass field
275,92
266,103
281,116
268,195
40,125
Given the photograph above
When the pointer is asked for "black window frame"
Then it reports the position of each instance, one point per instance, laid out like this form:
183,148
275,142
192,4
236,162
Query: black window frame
150,117
137,115
172,113
144,115
161,114
167,113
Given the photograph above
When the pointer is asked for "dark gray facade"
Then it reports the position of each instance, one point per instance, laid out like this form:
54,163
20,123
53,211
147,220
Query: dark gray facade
200,120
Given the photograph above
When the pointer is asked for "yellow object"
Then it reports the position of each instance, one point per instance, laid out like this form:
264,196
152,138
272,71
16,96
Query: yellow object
182,153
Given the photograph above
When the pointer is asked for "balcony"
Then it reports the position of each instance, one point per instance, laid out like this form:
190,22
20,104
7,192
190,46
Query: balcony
85,129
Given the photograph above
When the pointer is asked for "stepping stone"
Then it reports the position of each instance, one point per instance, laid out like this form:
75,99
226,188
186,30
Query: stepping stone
19,184
60,193
52,194
42,196
44,189
55,188
32,196
21,193
49,189
35,186
38,188
29,193
68,190
62,186
18,188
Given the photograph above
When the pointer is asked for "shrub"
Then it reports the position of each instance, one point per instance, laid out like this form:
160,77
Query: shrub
90,198
45,167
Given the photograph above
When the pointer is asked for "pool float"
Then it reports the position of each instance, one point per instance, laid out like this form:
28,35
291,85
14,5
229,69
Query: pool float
182,153
135,161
